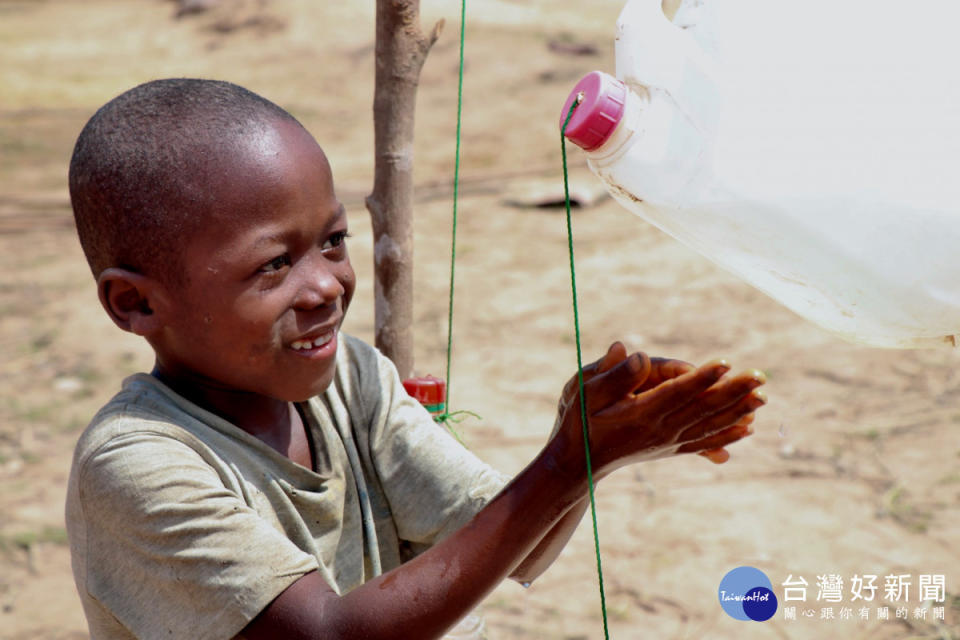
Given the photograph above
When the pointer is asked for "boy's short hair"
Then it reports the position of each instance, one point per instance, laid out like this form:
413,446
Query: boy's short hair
143,167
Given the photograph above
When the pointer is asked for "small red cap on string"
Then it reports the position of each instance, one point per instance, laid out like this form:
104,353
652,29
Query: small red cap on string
431,392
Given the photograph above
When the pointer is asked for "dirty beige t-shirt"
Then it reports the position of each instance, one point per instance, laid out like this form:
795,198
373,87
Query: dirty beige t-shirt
182,525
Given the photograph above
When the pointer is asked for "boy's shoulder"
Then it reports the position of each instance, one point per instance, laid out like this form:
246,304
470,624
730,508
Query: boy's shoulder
366,382
143,406
359,359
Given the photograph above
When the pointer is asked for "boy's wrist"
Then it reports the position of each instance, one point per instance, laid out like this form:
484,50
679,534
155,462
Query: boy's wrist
564,458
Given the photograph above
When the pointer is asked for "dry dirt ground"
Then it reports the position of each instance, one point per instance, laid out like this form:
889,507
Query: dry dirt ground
855,467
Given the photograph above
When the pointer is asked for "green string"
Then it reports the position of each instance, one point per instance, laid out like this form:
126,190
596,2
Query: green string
583,400
446,418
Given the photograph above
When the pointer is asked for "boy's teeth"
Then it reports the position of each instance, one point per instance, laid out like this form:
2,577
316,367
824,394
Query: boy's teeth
309,344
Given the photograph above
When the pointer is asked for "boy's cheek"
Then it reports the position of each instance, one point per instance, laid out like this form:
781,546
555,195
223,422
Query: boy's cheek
349,283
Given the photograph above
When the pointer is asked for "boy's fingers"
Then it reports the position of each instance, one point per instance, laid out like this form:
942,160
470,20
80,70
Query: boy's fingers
746,420
615,354
621,380
663,369
728,417
719,396
716,456
718,440
677,392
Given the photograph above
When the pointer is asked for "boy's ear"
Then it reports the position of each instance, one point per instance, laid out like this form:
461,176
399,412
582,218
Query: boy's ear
134,302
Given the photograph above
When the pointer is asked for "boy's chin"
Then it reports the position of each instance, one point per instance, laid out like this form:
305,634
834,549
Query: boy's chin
315,389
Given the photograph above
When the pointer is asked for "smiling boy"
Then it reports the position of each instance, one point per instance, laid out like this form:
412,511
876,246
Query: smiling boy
270,477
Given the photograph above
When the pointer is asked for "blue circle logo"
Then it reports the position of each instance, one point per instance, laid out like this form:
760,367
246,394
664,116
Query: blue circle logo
746,593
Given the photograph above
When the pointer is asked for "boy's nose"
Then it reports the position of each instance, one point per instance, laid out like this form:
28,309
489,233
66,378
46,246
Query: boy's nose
319,286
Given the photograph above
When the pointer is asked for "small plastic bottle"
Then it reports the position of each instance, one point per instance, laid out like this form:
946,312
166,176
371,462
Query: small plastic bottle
430,391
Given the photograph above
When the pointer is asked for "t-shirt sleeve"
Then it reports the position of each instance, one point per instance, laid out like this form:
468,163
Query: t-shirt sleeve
433,483
171,552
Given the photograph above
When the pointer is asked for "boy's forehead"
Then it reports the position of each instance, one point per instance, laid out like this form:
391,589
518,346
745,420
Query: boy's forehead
251,179
269,146
268,162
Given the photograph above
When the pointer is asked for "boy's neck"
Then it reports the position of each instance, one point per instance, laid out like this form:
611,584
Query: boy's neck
261,416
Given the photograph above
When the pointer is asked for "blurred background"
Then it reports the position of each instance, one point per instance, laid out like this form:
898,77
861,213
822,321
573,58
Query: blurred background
855,466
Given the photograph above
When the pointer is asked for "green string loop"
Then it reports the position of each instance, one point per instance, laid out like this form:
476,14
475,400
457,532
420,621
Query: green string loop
583,400
455,417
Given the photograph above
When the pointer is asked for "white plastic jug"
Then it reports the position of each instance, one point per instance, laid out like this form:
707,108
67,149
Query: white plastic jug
809,147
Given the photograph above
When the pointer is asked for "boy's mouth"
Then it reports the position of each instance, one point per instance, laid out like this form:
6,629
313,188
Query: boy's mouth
313,343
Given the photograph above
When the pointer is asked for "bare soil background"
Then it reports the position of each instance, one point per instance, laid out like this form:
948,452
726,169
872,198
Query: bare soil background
855,466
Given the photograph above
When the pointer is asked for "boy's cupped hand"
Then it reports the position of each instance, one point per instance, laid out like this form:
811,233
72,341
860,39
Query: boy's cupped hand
641,408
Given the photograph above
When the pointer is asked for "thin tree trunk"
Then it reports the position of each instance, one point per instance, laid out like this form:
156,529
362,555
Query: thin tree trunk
401,48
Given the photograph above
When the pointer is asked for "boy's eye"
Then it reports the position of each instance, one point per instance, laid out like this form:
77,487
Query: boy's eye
276,264
335,240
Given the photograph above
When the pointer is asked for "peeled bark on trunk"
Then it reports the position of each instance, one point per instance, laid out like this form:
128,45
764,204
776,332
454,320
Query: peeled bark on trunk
401,48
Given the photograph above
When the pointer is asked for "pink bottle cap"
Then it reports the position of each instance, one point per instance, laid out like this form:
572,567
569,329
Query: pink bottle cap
599,113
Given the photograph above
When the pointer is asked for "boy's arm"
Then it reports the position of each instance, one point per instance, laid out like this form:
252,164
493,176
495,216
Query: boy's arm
628,421
426,596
